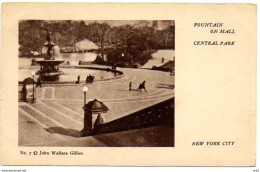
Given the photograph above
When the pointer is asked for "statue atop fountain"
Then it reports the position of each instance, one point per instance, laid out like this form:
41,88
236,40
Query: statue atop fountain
49,46
49,70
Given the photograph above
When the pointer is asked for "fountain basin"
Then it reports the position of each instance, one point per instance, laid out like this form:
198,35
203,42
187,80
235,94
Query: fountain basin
71,73
50,62
49,70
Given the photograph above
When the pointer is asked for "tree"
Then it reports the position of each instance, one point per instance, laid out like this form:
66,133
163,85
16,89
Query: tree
129,37
98,34
148,38
169,34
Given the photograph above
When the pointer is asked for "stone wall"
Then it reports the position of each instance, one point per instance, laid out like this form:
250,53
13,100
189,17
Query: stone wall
158,114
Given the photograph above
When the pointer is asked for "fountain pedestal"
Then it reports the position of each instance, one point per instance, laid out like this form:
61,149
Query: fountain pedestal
49,70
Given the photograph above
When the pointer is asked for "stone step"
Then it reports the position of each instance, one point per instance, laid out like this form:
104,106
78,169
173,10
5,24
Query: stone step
64,120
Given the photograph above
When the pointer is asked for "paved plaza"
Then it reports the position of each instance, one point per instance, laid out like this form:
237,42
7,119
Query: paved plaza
60,106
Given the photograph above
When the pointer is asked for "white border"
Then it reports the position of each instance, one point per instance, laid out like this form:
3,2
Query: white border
150,169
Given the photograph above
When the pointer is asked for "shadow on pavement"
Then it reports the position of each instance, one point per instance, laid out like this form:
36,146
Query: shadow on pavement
168,86
127,90
64,131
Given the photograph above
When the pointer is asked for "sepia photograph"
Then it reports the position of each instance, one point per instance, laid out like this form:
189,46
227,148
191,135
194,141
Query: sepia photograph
96,83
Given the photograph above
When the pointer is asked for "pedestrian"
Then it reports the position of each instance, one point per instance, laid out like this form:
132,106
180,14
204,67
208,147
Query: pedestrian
162,60
39,82
130,85
77,82
143,86
91,78
87,79
140,87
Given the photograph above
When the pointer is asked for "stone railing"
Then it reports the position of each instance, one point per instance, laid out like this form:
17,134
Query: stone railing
158,114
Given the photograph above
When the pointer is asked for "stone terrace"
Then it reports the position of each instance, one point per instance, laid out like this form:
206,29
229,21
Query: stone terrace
61,106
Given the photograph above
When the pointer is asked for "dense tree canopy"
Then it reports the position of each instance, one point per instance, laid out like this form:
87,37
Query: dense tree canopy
140,37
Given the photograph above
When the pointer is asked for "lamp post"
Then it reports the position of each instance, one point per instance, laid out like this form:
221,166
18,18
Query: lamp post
85,89
33,100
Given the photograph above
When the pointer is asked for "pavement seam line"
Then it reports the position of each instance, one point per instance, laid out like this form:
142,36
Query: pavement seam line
46,116
150,97
43,93
64,115
33,118
39,123
62,106
53,93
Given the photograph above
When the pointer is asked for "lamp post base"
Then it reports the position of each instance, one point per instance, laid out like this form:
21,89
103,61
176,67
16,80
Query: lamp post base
33,100
86,132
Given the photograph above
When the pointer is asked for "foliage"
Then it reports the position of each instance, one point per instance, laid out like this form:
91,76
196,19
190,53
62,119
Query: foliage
132,40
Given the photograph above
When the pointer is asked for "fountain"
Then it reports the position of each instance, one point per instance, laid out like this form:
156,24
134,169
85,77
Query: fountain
49,70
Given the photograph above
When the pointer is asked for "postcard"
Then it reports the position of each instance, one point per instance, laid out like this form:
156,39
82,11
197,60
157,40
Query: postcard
128,84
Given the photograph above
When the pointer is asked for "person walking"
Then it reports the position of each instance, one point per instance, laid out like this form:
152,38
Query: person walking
87,79
162,60
78,80
130,85
140,87
143,86
39,82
